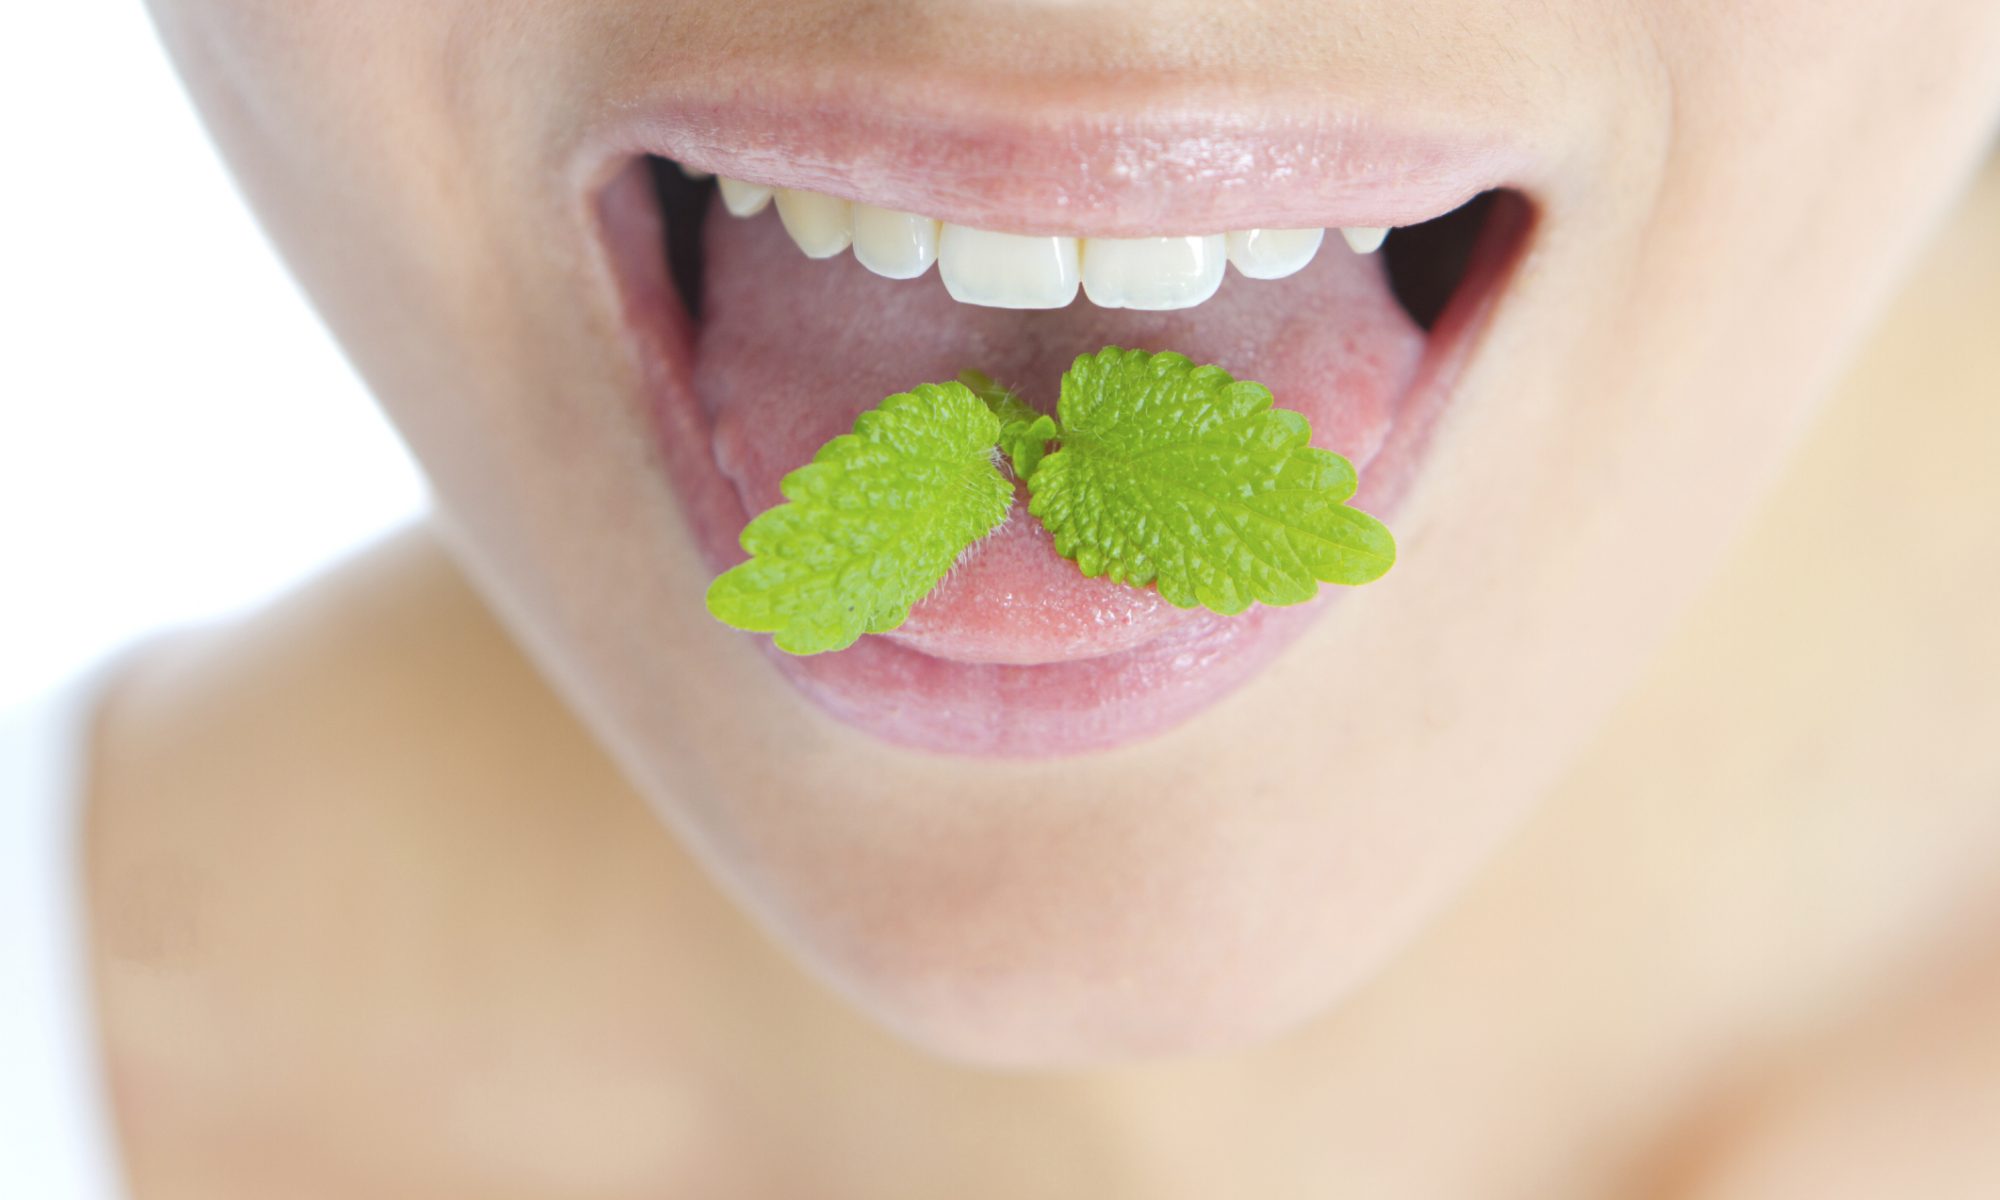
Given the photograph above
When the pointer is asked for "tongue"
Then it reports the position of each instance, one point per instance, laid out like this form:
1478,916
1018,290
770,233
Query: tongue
791,350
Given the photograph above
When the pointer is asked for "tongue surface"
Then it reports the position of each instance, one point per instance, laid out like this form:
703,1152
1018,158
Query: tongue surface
792,349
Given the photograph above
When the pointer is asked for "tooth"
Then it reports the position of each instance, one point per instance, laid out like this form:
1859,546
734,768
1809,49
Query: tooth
898,245
743,199
1365,239
1152,273
1273,253
822,225
694,173
1006,270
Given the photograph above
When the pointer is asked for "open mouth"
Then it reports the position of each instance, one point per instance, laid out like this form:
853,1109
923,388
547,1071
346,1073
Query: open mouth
773,294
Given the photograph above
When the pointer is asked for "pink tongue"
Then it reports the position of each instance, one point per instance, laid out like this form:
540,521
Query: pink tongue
791,349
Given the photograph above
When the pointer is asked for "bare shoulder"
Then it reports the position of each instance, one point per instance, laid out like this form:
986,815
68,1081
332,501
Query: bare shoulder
378,701
293,819
385,675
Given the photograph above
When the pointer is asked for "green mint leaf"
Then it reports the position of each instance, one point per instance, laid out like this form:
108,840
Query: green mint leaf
1024,433
1026,443
871,524
1179,475
1002,400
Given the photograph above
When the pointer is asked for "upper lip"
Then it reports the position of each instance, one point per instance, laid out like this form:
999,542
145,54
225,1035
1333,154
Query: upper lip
1124,160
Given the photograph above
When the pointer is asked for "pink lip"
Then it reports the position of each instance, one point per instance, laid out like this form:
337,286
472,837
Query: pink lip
997,152
937,687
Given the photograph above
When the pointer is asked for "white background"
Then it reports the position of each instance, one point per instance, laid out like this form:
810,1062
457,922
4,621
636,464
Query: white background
179,436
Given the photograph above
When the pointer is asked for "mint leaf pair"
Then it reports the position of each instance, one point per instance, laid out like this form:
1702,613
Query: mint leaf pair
1166,473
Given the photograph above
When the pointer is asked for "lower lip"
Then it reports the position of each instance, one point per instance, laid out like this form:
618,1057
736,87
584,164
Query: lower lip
902,695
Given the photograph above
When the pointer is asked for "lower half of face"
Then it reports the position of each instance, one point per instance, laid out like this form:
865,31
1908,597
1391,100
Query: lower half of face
615,267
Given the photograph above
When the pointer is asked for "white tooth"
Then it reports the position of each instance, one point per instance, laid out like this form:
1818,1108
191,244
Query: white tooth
1365,239
694,173
898,245
1006,270
822,225
743,199
1154,273
1273,253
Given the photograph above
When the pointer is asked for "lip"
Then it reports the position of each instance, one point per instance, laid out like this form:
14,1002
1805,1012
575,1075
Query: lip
998,152
898,692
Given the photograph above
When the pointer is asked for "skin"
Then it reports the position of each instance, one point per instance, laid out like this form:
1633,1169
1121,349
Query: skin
466,871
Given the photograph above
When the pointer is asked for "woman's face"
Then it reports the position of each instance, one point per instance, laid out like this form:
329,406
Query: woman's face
1052,821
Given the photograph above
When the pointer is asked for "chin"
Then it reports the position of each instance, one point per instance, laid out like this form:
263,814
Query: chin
1103,989
1065,931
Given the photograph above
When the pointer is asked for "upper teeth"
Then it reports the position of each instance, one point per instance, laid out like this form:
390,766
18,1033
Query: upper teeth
1365,239
1275,253
822,225
899,245
1006,270
743,199
1155,273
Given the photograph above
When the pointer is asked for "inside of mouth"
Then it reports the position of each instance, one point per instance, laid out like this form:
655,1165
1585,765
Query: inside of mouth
779,352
